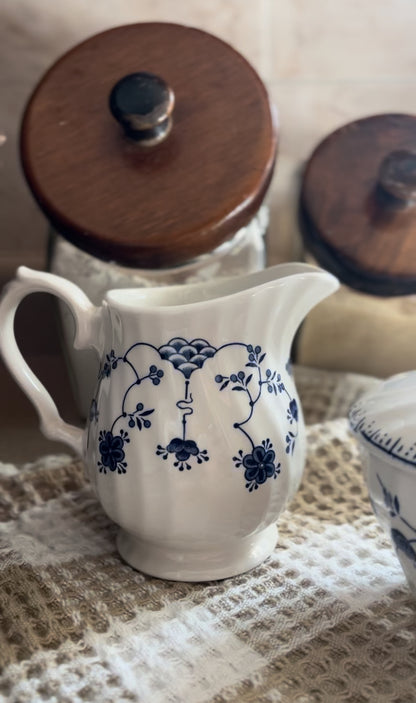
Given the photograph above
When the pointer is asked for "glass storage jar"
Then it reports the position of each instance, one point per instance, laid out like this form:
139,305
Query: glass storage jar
151,167
358,220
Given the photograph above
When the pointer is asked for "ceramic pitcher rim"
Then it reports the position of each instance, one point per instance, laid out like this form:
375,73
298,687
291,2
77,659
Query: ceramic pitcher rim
207,292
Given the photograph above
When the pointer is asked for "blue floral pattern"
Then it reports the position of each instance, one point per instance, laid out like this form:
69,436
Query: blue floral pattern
258,460
260,464
292,412
110,364
183,449
112,452
401,542
94,413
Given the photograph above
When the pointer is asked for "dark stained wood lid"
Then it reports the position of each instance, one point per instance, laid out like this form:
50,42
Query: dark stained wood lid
358,204
186,167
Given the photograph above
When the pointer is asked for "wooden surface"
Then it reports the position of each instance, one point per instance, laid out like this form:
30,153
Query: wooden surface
350,224
160,205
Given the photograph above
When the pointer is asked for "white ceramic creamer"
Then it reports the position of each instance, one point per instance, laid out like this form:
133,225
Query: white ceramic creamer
195,440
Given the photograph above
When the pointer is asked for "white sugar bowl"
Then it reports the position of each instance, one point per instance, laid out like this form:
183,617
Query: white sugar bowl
384,421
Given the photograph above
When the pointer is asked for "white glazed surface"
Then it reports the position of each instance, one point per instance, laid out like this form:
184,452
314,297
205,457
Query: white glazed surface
244,253
194,456
385,418
392,491
384,422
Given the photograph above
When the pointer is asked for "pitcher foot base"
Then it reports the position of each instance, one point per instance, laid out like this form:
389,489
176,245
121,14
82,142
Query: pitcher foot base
207,563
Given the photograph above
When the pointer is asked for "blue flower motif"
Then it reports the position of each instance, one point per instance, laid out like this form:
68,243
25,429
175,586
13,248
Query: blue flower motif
400,541
105,371
292,413
109,365
112,452
259,465
187,356
390,501
183,449
94,412
403,544
290,442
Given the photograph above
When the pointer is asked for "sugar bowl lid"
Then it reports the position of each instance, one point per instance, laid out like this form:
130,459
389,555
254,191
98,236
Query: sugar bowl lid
384,419
149,144
358,204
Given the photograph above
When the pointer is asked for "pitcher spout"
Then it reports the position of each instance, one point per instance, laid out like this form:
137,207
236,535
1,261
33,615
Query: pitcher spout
308,287
304,288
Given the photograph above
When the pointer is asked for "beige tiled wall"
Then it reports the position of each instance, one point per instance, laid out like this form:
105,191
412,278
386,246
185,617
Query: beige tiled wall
330,63
325,62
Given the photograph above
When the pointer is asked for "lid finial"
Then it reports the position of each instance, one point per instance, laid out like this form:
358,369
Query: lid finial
397,175
143,103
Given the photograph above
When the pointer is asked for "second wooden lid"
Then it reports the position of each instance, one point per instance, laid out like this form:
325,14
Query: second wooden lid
358,204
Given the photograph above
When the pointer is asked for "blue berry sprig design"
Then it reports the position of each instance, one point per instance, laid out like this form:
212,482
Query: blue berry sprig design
139,418
259,463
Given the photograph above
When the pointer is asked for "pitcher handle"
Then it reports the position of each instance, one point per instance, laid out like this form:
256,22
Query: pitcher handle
87,319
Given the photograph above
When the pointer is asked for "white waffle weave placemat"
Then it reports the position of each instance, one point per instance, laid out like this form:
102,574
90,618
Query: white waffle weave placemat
327,618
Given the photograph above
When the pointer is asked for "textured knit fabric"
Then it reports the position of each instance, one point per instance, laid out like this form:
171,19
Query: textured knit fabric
327,618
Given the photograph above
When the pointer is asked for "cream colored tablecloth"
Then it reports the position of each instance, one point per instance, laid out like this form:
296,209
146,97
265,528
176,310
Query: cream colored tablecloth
327,618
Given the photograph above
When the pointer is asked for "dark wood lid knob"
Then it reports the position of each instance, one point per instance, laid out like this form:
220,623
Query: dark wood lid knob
397,176
143,104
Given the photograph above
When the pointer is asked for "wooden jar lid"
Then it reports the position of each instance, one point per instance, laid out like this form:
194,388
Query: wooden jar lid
358,204
156,179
